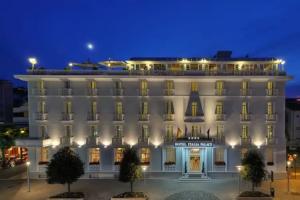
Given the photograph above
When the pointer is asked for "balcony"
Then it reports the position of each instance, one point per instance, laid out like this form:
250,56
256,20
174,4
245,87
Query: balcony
220,117
117,141
67,141
144,141
92,92
143,92
271,117
67,117
245,92
245,117
93,140
169,92
220,92
39,92
66,92
271,141
245,141
118,117
144,117
41,116
169,140
193,119
271,92
169,117
93,117
220,140
33,142
118,92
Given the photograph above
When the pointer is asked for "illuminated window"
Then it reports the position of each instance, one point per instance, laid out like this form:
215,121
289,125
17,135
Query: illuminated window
195,131
194,87
270,131
144,108
219,87
270,85
119,108
94,156
245,85
244,108
119,131
145,131
169,107
41,84
220,130
245,132
270,108
219,108
42,107
68,131
169,85
144,88
169,131
68,107
44,157
119,153
145,156
93,84
194,109
94,107
243,152
94,130
219,156
170,155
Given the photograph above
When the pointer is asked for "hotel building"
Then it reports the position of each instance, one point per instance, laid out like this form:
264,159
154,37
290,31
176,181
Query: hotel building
183,115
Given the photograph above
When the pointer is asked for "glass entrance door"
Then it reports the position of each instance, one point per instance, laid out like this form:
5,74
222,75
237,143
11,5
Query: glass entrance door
194,160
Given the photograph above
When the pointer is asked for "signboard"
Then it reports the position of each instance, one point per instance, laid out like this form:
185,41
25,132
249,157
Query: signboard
193,144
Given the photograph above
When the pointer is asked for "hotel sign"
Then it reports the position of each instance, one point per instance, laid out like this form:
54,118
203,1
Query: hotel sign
193,142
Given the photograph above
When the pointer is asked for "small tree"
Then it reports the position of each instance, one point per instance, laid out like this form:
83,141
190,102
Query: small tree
130,170
253,168
6,141
64,168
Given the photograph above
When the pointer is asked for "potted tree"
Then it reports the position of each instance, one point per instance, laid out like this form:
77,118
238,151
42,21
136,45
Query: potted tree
254,171
130,171
65,168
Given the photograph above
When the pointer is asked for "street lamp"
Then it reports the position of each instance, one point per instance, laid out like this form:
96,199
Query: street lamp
239,168
28,178
90,46
288,175
144,168
32,61
295,159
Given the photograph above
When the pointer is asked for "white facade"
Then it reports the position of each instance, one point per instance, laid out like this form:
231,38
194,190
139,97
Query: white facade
215,114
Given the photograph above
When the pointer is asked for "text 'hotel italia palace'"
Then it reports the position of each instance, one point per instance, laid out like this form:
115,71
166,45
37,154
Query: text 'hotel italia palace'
183,115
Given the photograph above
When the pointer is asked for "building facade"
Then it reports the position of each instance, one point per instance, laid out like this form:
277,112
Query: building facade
293,123
184,116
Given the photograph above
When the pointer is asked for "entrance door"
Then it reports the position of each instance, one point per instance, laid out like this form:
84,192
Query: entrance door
194,162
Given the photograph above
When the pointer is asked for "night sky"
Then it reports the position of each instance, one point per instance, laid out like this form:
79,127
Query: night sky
56,31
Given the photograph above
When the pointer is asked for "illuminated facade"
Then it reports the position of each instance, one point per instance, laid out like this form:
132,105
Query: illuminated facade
196,115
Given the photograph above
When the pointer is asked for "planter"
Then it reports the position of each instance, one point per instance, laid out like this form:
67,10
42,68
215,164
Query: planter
66,196
254,198
130,196
249,195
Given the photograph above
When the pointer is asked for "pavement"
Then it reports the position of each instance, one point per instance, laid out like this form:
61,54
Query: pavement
14,187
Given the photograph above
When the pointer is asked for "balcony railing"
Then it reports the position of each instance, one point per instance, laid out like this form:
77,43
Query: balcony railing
194,119
271,92
169,92
119,117
220,117
245,92
169,140
271,141
271,117
144,141
39,92
219,140
245,141
93,92
67,116
169,117
93,117
144,117
118,92
245,117
143,92
118,141
41,116
220,92
66,92
33,142
67,141
93,140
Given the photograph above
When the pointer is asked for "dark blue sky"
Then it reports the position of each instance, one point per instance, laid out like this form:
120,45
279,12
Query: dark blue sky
57,31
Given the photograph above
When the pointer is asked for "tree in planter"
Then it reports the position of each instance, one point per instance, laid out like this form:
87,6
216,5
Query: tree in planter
253,168
6,141
64,168
130,170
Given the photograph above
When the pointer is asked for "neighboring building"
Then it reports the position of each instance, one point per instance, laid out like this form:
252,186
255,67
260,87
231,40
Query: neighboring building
6,102
20,110
293,123
186,116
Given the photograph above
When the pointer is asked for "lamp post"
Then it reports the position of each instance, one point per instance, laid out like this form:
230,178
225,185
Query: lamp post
288,175
33,62
144,168
239,168
28,178
295,159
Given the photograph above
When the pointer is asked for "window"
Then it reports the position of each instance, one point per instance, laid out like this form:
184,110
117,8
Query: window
94,156
67,84
219,108
245,85
68,107
119,108
44,158
195,131
119,131
270,85
169,107
219,87
270,131
145,131
42,107
144,88
144,108
244,108
194,109
194,87
41,84
43,132
169,131
145,156
94,107
243,152
219,156
119,153
118,84
169,85
270,108
93,84
68,131
220,131
170,156
94,130
269,156
245,132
